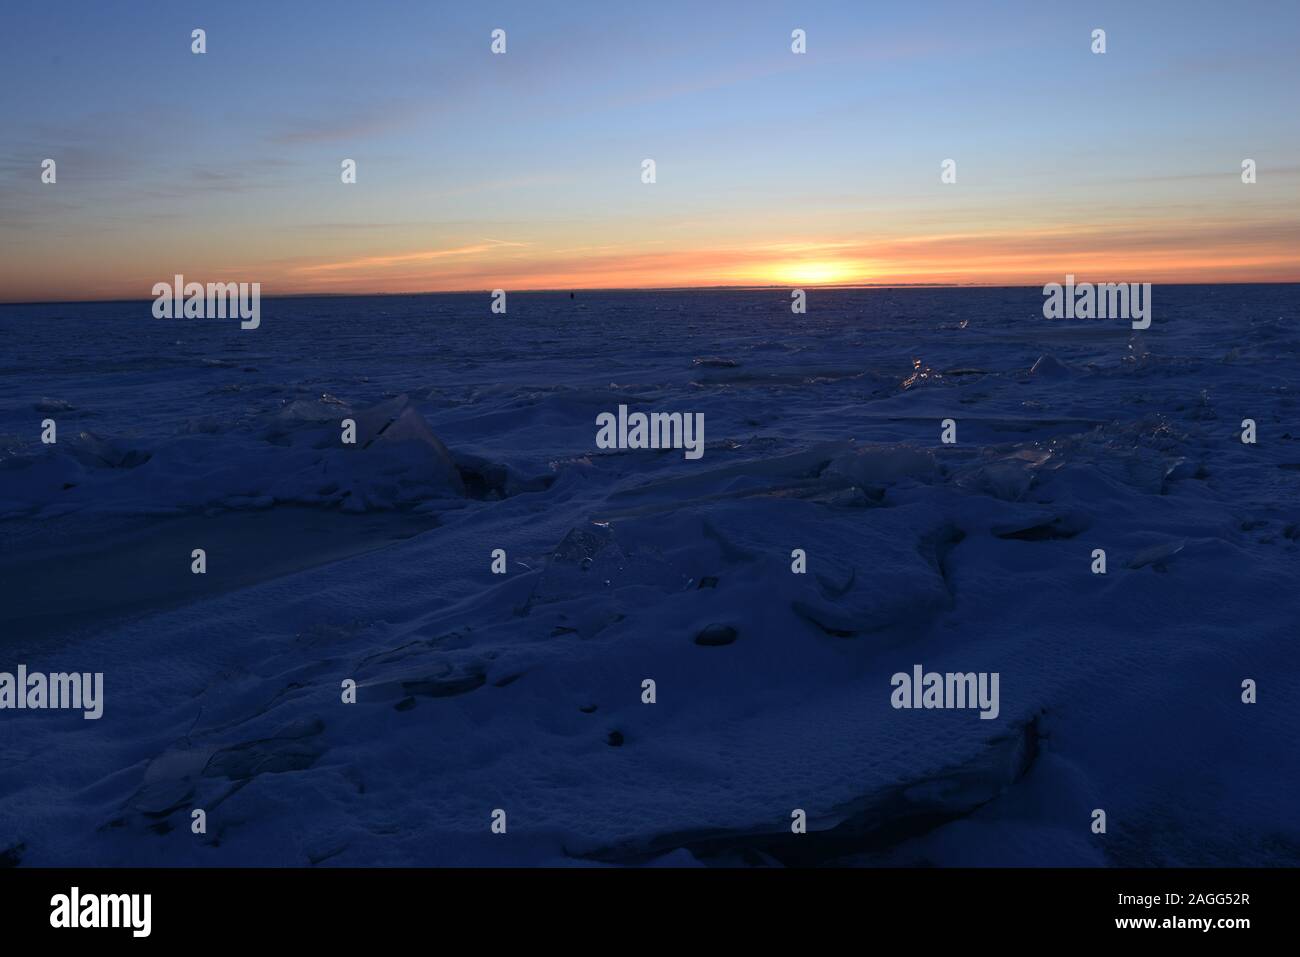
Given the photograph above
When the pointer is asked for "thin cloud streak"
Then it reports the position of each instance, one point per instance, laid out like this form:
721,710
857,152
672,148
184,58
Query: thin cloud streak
384,262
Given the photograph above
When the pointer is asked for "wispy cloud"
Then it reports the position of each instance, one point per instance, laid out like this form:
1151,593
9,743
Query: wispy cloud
377,263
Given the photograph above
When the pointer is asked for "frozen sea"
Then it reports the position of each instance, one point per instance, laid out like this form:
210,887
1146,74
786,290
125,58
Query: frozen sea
523,691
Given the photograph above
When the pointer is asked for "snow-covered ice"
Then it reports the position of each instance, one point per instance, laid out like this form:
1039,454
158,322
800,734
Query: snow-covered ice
523,691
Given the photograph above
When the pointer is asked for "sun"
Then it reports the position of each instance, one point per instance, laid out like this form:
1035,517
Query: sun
815,273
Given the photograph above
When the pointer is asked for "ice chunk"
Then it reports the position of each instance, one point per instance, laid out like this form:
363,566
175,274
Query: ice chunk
1049,367
884,464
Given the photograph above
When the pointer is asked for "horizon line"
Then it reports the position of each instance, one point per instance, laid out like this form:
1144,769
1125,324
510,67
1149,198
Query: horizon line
599,289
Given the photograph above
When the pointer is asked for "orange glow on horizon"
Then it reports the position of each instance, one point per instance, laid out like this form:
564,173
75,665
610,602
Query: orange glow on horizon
826,273
1161,252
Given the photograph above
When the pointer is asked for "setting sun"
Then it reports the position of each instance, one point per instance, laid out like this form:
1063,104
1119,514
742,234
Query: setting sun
818,273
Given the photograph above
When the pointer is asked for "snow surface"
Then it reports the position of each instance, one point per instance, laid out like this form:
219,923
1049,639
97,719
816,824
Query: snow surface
523,692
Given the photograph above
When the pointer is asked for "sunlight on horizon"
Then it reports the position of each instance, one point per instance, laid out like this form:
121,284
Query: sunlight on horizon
824,273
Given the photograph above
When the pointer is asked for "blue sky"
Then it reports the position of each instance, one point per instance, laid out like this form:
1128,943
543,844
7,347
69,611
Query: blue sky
522,170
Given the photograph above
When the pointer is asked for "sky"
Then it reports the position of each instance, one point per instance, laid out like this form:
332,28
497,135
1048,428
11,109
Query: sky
524,170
